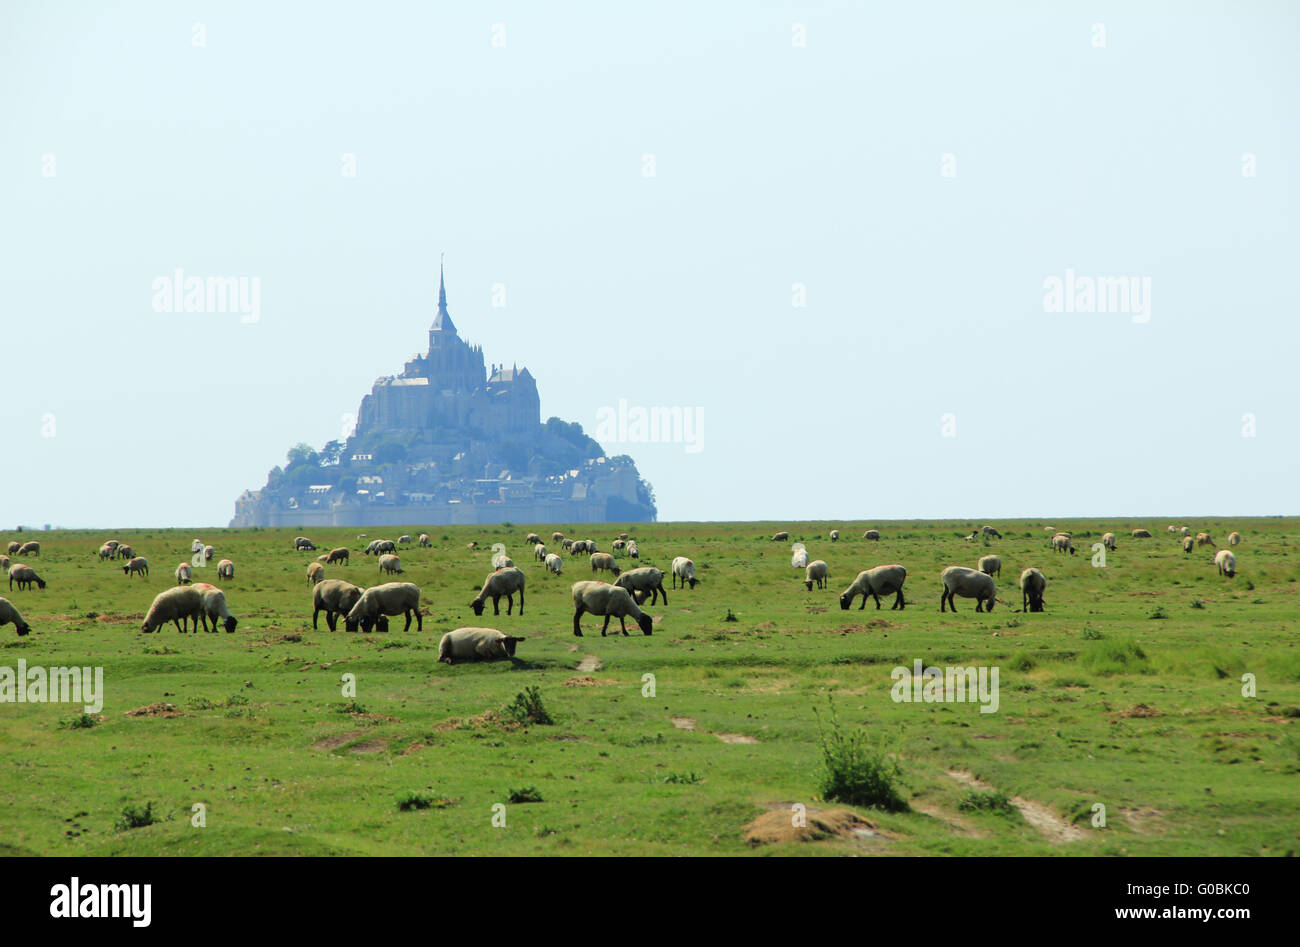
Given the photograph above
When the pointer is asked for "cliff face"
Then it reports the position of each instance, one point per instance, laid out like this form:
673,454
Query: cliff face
451,441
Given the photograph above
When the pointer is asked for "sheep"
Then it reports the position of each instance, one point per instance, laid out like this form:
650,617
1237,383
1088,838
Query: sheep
10,614
1062,542
632,551
4,563
577,548
1184,531
178,606
601,598
781,537
625,536
643,583
335,598
362,536
502,561
800,559
816,571
1171,528
501,583
105,552
14,547
472,544
477,644
125,552
972,536
424,540
315,572
1108,540
184,574
557,537
323,558
567,545
1188,544
1226,562
138,565
872,534
990,531
404,539
683,569
391,565
882,580
24,575
990,565
1032,584
225,569
618,545
385,545
112,543
539,552
32,548
214,608
1234,538
392,598
208,553
1203,539
533,539
337,555
835,535
1141,534
554,563
968,583
303,544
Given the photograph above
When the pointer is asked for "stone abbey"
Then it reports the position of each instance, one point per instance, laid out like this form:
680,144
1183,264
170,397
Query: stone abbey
451,440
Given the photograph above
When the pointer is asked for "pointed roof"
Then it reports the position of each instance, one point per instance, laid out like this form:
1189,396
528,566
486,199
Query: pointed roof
442,321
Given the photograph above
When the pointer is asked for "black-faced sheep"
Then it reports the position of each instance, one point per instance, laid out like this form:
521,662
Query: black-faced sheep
390,564
1226,562
816,572
315,572
554,563
601,598
603,562
477,644
9,614
683,569
643,583
335,598
503,583
178,605
24,575
1032,584
391,598
214,608
137,566
968,583
990,565
882,580
225,569
337,555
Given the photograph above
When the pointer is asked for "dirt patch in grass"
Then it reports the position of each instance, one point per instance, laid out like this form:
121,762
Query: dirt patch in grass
488,718
589,663
1137,710
159,709
587,681
956,824
1047,822
784,824
279,639
1140,818
376,745
337,740
735,738
683,723
413,748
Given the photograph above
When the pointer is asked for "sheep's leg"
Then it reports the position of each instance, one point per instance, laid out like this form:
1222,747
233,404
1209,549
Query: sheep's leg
622,624
576,615
419,619
408,620
521,601
873,595
898,602
496,605
605,627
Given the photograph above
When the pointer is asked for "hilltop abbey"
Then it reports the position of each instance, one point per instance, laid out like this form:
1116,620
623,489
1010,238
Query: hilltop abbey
450,440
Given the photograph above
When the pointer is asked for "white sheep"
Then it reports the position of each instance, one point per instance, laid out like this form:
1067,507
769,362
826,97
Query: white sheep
1226,562
968,583
9,614
1108,540
503,583
14,547
390,564
31,548
4,564
404,540
1188,544
601,598
603,562
377,603
532,539
800,559
24,575
1204,539
124,551
882,580
303,544
539,552
632,551
106,552
139,565
424,539
683,569
557,537
208,553
184,574
835,535
315,572
335,598
991,531
643,583
1032,584
176,605
214,608
1062,542
554,563
990,565
816,572
337,555
780,537
225,569
477,644
1234,538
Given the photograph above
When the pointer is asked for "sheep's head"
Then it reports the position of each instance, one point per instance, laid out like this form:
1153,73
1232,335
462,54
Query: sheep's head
845,602
647,625
231,622
477,605
808,584
509,642
693,581
615,568
22,628
40,583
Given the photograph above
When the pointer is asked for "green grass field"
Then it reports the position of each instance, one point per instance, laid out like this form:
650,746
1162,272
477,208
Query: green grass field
1127,691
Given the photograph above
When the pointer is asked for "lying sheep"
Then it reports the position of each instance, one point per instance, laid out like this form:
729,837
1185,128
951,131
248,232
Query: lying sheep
225,569
1203,539
184,574
137,566
780,537
603,562
643,583
991,565
554,563
968,583
424,540
835,535
1032,584
178,606
1188,544
10,614
1141,534
315,572
503,583
32,548
477,644
882,580
872,534
1234,538
1108,540
1062,543
532,539
335,598
390,565
683,569
816,571
600,598
800,559
323,558
214,608
24,575
539,552
392,598
337,555
303,544
1226,562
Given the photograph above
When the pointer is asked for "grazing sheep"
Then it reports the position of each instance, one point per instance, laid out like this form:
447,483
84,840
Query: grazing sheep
473,544
184,574
567,545
601,598
882,580
106,552
1226,562
576,548
603,562
502,561
968,583
10,614
835,535
800,559
391,565
991,565
1108,540
1234,539
214,608
1188,544
632,551
315,572
32,548
503,583
972,537
362,536
781,537
557,537
208,553
539,552
554,563
532,539
990,531
1171,528
337,555
404,540
125,552
1141,534
618,545
1184,531
1203,539
1032,584
335,598
683,569
643,583
178,606
14,547
4,563
625,536
138,565
424,540
872,534
384,545
391,598
24,576
816,571
303,544
1062,542
112,543
477,644
225,569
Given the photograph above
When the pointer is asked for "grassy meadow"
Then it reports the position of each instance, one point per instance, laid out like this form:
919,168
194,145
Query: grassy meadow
1125,692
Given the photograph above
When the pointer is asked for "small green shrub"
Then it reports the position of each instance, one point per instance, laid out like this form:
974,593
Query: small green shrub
415,800
686,779
81,721
527,708
991,800
133,818
526,794
853,772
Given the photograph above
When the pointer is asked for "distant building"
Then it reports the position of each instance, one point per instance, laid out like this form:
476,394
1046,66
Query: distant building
451,440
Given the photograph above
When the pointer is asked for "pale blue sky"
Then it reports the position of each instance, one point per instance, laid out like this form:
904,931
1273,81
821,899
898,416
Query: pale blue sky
775,165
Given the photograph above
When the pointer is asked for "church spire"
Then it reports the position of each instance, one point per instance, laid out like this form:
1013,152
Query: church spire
442,321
